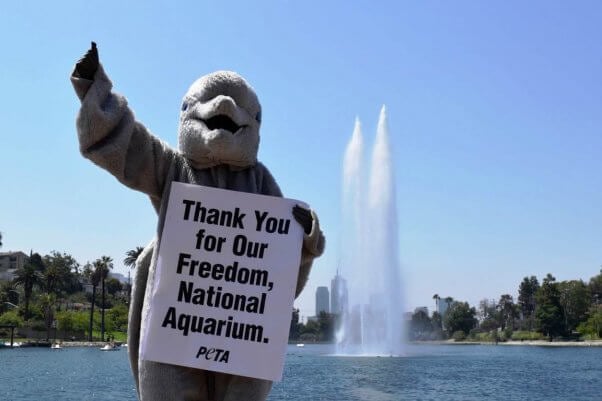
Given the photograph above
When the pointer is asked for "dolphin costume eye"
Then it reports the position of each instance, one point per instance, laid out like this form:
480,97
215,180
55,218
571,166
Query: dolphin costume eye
184,106
258,117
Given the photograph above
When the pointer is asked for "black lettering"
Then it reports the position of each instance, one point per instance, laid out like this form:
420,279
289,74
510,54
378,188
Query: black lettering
237,220
253,333
209,327
170,318
182,262
218,272
184,323
185,292
259,218
188,204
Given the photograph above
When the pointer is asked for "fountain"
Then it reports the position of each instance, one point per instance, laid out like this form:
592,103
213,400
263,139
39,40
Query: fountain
372,305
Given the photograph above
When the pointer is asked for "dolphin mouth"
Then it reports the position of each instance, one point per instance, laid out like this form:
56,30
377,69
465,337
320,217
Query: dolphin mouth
221,121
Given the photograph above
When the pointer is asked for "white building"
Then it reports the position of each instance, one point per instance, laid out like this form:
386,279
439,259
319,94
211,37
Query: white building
9,263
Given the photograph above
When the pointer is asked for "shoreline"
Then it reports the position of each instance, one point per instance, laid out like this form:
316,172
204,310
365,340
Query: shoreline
532,343
63,344
99,344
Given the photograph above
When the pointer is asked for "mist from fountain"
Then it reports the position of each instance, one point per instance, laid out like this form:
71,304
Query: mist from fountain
372,304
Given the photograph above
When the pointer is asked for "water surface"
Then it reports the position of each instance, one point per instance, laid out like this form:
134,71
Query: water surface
438,372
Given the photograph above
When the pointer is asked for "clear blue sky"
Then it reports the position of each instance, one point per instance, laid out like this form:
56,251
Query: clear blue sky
495,115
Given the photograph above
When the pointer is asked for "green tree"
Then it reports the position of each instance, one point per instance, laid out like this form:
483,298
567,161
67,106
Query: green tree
595,288
459,335
47,306
592,327
52,279
105,264
117,318
66,320
507,311
72,321
11,318
548,312
575,301
93,274
131,256
62,271
27,277
420,326
526,299
437,326
35,259
310,331
489,324
460,316
87,271
113,286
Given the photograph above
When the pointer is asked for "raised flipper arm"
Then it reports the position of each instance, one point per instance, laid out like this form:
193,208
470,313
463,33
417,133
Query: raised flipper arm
110,136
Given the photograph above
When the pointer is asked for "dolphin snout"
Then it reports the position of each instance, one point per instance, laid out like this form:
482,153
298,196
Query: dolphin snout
223,105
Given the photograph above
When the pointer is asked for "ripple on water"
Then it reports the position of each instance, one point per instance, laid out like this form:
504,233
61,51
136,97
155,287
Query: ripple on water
451,373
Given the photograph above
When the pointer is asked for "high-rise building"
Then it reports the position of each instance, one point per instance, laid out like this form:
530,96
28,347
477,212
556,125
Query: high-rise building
444,304
10,262
338,295
322,300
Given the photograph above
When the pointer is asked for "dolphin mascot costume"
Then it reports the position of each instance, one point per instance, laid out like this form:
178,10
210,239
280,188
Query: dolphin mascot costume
217,147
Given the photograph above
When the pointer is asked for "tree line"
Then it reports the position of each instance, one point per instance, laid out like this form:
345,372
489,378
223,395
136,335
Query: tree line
322,328
53,293
548,310
551,309
48,293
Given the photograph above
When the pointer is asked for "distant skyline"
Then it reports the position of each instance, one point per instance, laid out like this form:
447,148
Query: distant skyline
494,118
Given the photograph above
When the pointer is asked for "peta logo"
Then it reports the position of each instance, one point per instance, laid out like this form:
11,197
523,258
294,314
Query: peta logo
213,354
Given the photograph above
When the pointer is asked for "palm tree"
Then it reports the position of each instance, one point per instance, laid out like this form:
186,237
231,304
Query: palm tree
94,276
47,303
106,264
27,277
130,261
436,297
131,256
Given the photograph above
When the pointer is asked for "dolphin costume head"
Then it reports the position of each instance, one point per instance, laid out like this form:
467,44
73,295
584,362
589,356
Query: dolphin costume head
219,122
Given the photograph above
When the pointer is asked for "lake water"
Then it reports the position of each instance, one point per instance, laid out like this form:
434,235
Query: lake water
437,372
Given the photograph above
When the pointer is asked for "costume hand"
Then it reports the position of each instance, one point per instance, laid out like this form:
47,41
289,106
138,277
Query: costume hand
86,66
303,217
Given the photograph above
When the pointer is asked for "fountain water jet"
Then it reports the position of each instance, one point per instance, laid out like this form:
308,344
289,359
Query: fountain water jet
372,319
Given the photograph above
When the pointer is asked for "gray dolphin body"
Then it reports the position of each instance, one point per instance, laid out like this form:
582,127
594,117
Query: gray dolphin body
218,142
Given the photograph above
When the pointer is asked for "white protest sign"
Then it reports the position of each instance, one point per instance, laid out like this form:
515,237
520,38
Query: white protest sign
225,282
